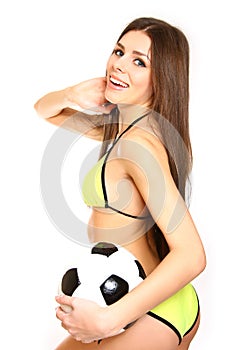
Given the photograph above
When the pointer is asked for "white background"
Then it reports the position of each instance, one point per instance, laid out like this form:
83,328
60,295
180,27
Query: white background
48,45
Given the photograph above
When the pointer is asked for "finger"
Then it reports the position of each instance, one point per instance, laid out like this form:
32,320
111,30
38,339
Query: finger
103,80
64,300
105,108
87,341
66,308
63,326
77,338
108,107
60,314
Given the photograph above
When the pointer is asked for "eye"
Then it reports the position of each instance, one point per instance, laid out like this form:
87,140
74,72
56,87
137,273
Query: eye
139,62
118,52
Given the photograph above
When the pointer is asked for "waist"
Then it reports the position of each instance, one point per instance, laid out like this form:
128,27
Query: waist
133,235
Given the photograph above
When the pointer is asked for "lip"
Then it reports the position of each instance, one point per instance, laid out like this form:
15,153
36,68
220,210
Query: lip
120,81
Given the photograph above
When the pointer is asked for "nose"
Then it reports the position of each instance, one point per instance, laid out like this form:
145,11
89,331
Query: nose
121,64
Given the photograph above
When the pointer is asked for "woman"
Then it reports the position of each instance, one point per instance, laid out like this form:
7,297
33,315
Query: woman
144,105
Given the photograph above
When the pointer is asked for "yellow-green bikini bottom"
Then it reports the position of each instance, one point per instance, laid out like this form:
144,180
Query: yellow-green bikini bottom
179,312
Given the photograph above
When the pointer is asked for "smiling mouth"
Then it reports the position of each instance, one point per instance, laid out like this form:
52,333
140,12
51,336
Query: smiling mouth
117,82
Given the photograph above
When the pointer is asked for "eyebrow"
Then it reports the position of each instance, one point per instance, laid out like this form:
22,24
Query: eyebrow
135,52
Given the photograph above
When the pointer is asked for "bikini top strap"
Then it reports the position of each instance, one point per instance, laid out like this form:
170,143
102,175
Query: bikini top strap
105,161
128,127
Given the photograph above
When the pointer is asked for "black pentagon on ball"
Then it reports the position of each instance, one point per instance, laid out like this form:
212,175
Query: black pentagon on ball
114,288
104,248
70,281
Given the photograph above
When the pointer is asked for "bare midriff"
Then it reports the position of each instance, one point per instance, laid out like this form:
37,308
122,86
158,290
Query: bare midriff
130,233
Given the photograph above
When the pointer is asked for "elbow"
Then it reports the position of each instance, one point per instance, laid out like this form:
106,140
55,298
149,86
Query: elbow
36,106
199,262
41,110
204,261
37,109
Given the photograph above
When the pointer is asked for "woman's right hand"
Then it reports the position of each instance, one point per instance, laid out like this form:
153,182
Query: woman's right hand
89,94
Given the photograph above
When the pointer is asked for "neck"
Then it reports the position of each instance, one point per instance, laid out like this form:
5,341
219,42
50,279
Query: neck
129,113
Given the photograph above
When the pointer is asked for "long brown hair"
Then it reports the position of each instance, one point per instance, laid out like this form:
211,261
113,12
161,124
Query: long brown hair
169,103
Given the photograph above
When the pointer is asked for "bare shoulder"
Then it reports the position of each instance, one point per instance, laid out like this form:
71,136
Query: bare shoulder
145,147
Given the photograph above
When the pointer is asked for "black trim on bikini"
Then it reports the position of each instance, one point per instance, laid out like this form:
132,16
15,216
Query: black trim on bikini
103,172
126,214
150,313
163,320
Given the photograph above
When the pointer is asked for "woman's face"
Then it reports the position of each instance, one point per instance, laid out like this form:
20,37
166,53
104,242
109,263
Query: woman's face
129,70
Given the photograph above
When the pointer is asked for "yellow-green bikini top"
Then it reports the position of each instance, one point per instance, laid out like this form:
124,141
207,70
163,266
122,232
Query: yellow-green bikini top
94,189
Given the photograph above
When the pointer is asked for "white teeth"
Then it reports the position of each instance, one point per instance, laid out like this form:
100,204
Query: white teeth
118,82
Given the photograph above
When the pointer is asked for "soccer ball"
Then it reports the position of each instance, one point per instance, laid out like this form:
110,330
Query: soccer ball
104,275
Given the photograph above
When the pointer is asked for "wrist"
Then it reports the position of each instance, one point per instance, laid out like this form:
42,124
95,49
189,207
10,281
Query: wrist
123,313
67,97
71,97
109,322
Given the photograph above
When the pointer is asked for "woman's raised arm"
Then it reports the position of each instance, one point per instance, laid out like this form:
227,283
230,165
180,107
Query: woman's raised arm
60,107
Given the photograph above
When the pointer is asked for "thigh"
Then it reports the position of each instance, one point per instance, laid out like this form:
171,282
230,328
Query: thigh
146,334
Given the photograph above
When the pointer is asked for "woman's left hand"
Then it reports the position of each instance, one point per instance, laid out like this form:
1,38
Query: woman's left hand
86,321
